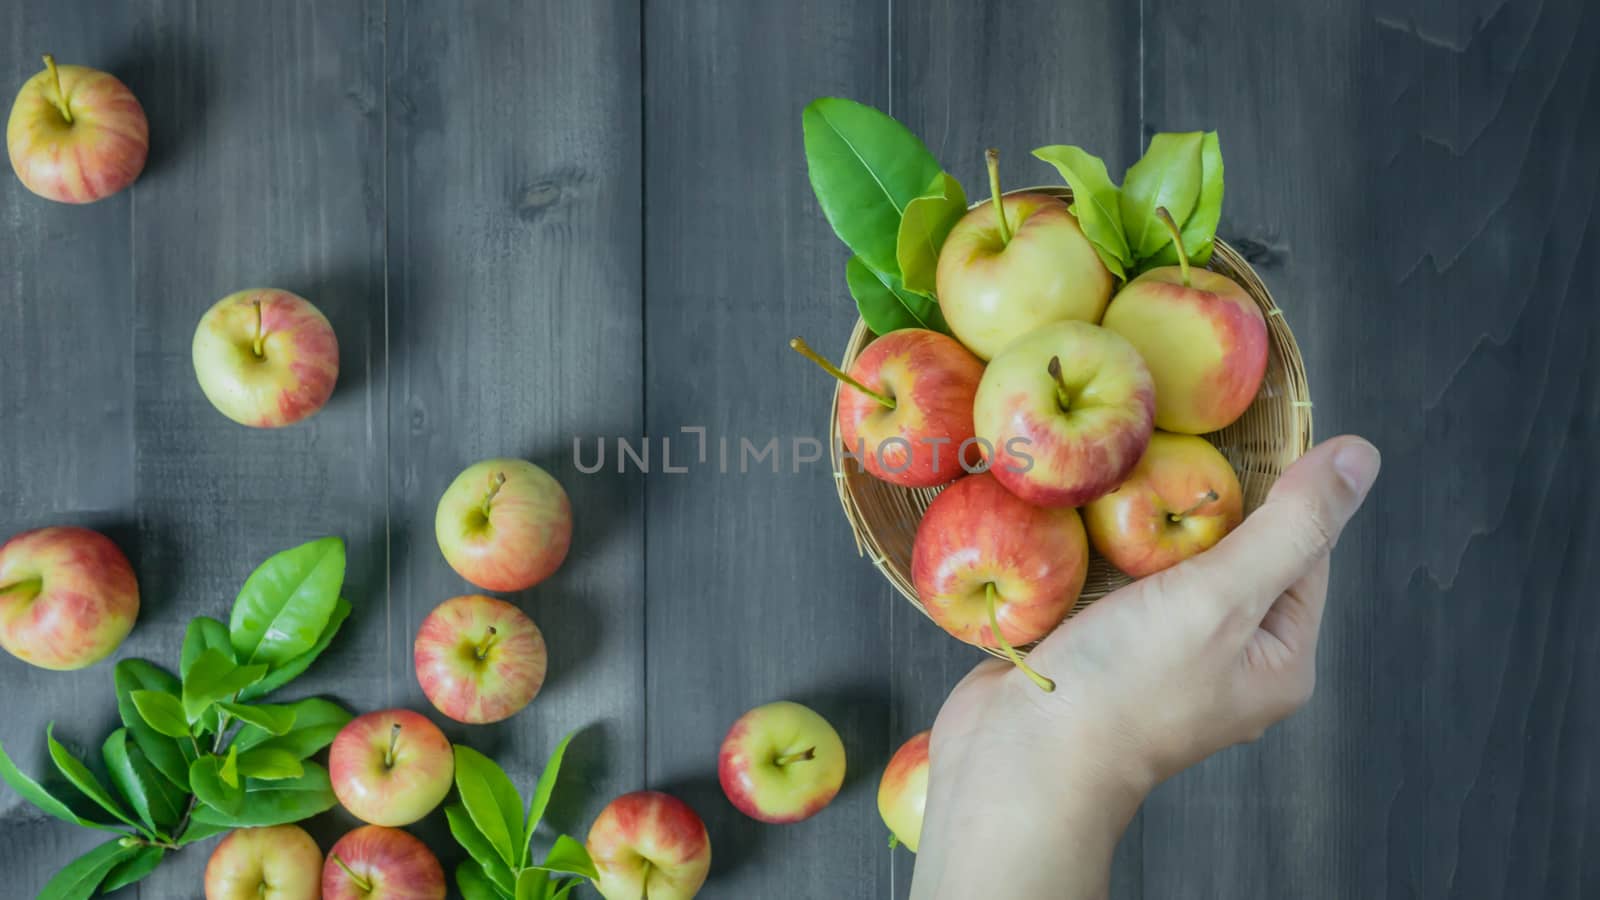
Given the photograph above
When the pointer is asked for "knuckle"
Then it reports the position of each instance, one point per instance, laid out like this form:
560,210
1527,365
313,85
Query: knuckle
1310,528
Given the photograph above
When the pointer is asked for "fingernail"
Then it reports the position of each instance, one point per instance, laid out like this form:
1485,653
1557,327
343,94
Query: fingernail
1357,463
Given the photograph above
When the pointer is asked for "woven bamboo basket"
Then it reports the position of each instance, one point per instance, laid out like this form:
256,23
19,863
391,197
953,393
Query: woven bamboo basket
1272,433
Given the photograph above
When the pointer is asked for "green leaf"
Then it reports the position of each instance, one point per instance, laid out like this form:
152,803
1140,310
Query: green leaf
229,772
492,802
205,633
269,764
474,884
478,847
568,857
1168,175
198,831
865,169
284,673
35,793
316,723
163,751
542,791
566,889
213,677
1200,232
531,884
84,780
273,719
84,875
206,777
286,601
886,305
276,802
134,868
141,794
1096,202
161,712
923,227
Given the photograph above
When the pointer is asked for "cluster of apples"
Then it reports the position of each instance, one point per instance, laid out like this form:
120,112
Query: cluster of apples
1048,400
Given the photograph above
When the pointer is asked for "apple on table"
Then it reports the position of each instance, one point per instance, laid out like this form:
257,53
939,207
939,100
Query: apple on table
649,844
76,134
281,862
479,659
378,863
504,524
390,767
781,762
903,790
265,358
1014,264
68,597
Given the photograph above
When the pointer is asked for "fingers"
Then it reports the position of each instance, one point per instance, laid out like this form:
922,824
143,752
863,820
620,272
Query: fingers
1292,531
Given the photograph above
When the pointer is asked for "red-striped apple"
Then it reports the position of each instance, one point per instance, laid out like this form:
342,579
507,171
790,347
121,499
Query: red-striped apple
1065,413
378,863
1181,499
1002,275
76,134
903,791
67,597
1203,337
906,407
649,845
504,524
390,767
265,358
479,659
781,763
996,571
282,862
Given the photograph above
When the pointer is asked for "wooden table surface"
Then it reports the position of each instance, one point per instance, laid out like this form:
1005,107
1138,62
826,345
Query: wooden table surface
530,221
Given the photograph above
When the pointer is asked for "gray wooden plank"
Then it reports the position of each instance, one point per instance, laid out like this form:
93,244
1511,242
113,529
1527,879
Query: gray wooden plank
1013,77
515,326
755,592
1417,184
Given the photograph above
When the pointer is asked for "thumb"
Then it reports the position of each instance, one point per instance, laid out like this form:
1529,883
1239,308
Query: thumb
1297,525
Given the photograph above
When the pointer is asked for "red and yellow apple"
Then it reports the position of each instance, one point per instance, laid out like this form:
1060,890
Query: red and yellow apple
281,862
76,134
68,597
1203,337
781,763
903,791
378,863
649,844
996,571
1002,276
905,410
479,659
504,524
1181,499
265,358
390,767
1065,413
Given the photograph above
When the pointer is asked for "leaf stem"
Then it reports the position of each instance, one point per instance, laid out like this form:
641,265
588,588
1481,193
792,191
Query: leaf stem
790,758
61,98
364,884
1175,518
992,157
1177,242
799,346
1011,653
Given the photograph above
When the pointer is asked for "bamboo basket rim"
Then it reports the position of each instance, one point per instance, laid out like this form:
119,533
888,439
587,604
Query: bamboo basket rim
1281,410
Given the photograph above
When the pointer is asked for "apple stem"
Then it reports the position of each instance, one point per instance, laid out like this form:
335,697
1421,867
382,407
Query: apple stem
644,882
362,883
61,98
29,586
1011,653
1177,241
495,484
394,743
1063,396
992,157
483,648
258,346
799,346
1175,518
802,756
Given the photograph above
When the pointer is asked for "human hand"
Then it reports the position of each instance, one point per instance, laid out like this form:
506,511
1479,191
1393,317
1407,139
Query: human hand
1035,788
